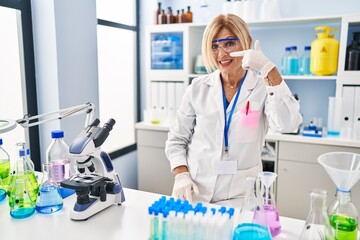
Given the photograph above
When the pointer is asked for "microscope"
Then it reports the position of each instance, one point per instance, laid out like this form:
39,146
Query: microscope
96,183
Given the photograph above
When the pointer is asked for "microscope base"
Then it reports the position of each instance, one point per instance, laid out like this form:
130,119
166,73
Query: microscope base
95,207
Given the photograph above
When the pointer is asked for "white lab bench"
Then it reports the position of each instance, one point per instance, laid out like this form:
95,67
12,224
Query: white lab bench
296,165
127,221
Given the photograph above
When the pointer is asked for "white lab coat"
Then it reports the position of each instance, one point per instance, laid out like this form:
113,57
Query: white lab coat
196,138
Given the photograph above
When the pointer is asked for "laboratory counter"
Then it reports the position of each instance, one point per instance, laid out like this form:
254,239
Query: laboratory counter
129,221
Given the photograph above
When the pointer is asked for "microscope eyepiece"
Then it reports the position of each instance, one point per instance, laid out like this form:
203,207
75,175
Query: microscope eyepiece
109,124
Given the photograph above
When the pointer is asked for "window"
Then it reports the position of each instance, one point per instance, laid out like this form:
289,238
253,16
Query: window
117,37
17,75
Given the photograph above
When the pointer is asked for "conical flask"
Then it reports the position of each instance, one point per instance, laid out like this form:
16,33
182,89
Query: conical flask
248,228
22,145
49,199
317,225
266,194
21,205
344,169
23,170
2,191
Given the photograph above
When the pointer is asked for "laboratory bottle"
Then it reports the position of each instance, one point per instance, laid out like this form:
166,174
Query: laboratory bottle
49,199
20,199
23,170
177,16
343,216
293,61
157,13
4,171
305,61
58,154
182,18
169,16
189,15
324,52
284,61
352,60
162,19
266,194
317,225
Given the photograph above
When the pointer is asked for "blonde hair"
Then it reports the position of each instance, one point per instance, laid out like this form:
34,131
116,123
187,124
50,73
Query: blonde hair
232,23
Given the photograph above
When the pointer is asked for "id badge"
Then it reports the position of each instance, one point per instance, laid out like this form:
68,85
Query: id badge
225,166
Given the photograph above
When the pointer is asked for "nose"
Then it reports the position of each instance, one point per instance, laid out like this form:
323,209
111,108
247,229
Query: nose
222,51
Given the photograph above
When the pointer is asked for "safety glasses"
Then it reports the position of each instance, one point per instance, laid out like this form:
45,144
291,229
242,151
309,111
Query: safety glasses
227,44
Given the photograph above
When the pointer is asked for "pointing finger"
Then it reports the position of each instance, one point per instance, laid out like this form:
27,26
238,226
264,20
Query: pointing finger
239,53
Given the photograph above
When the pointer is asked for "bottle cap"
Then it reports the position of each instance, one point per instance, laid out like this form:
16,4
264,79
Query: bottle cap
307,47
57,134
1,142
22,152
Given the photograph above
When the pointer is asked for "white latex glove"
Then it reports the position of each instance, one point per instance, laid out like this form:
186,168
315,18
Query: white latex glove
255,59
184,187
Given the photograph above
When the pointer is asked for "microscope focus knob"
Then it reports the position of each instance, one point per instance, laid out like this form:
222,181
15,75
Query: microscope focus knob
113,188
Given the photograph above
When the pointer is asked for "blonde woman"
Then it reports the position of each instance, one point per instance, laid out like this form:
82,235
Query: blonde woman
218,135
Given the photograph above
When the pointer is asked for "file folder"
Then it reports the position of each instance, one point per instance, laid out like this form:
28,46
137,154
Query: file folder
347,111
356,119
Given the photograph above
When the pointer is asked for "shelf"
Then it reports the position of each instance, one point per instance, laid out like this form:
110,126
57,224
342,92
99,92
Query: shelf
289,77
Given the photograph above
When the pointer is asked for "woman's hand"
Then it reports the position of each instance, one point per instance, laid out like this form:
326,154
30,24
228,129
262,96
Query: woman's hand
184,187
255,59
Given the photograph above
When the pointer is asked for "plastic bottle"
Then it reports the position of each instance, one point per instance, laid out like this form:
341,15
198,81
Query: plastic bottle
189,15
343,216
284,61
317,225
293,61
352,60
324,52
4,171
58,155
305,61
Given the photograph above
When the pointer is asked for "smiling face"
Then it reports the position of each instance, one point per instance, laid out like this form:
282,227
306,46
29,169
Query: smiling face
224,62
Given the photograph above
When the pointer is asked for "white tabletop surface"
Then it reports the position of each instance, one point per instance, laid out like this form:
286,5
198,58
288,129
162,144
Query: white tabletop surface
129,221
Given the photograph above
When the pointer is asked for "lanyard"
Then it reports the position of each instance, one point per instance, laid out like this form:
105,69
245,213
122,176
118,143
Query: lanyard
227,123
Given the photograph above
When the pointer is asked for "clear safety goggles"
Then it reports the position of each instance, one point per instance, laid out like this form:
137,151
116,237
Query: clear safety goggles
227,44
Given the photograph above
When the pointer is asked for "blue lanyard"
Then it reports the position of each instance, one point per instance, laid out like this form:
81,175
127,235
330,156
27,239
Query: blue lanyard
227,123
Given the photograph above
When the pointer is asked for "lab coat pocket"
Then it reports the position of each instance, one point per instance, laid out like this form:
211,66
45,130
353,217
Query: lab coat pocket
249,119
238,181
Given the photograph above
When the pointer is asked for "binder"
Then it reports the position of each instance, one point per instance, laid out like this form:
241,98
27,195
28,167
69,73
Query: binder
347,112
356,119
154,95
163,96
171,97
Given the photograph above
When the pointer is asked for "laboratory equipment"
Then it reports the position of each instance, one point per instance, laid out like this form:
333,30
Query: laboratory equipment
305,61
324,52
157,13
22,145
344,170
58,154
4,171
317,225
352,61
23,170
293,61
97,185
189,15
20,199
252,219
334,113
284,61
268,200
49,199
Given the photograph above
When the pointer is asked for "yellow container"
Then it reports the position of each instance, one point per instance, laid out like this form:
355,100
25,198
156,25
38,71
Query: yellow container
324,52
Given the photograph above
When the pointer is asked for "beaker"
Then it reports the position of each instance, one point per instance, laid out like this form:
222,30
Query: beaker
252,219
265,193
21,205
317,225
49,199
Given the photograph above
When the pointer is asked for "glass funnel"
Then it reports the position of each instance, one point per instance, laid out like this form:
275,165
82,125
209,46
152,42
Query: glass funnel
266,194
317,225
344,170
49,199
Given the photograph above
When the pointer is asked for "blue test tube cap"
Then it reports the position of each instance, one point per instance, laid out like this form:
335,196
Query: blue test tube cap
22,152
1,141
222,210
231,211
213,210
150,210
203,210
57,134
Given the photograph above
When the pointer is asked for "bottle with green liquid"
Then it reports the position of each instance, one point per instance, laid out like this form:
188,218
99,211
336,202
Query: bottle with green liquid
4,171
343,216
23,170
